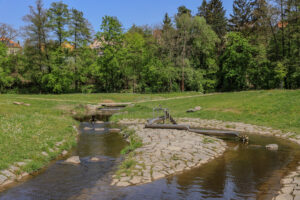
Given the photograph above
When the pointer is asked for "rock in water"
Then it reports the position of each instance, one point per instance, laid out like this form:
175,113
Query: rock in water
114,130
95,159
272,147
73,160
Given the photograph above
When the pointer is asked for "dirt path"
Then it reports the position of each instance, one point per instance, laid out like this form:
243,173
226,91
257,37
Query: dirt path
134,102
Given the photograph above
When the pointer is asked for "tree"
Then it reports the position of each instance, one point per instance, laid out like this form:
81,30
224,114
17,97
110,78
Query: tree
167,22
5,79
183,10
36,44
241,17
184,26
59,16
79,28
111,38
236,61
7,33
214,14
195,43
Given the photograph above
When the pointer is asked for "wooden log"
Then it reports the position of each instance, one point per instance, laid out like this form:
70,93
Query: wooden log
215,132
186,127
167,126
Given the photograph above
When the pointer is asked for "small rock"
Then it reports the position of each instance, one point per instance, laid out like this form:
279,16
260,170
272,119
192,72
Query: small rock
174,148
286,180
99,129
114,130
95,159
2,179
20,164
18,103
122,184
284,197
8,174
44,153
272,147
287,190
87,128
297,180
13,168
73,160
136,180
64,153
59,143
157,175
197,108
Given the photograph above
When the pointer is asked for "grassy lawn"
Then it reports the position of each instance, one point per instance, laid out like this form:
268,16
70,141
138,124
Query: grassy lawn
278,109
25,132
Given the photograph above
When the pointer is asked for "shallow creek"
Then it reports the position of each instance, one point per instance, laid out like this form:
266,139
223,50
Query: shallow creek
243,172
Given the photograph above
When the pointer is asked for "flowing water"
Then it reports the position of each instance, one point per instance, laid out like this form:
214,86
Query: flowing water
243,172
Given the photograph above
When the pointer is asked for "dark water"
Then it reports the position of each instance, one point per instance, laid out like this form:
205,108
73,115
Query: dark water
243,172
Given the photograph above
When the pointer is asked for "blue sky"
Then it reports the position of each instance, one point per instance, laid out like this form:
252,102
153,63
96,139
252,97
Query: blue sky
139,12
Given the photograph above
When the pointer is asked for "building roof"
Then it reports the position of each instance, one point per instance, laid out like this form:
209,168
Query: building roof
9,43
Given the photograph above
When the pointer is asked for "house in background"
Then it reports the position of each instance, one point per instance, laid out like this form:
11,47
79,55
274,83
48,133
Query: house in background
12,47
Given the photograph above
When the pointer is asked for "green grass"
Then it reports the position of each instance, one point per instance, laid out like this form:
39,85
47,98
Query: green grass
134,141
279,109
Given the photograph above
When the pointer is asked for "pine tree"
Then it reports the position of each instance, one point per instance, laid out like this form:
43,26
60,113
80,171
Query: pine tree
59,17
202,12
167,22
241,17
79,28
214,14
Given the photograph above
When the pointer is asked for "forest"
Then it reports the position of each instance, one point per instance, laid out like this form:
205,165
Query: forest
255,47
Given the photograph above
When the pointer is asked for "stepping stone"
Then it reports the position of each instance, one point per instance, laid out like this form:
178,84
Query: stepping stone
73,160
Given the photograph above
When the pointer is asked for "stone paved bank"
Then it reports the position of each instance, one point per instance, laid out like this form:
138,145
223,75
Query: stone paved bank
166,152
290,187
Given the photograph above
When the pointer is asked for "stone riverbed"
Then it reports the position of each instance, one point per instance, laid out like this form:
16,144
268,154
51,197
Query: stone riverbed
166,152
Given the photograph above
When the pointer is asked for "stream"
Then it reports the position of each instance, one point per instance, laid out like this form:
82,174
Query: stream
243,172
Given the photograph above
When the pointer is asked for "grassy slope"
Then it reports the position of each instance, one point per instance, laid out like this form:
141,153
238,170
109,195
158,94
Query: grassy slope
276,108
27,131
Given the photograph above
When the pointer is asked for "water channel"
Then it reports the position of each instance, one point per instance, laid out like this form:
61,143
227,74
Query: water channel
243,172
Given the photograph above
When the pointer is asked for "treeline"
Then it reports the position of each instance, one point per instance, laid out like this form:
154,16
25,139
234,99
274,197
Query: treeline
258,47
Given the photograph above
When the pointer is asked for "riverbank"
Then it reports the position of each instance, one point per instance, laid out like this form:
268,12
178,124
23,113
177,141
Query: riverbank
165,152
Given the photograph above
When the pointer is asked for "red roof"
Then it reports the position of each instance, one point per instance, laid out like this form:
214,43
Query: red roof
9,43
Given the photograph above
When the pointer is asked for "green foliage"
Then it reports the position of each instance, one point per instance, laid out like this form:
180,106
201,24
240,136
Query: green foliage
260,51
236,60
